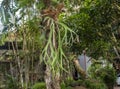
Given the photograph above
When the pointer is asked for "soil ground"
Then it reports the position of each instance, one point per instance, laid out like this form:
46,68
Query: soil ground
117,87
80,87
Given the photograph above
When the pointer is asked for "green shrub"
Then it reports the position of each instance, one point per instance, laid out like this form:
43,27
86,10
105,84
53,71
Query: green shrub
94,84
63,86
11,83
106,74
40,85
69,87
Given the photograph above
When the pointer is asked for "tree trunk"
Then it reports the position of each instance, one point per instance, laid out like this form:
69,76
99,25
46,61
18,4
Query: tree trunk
48,78
79,69
56,81
110,86
26,72
26,59
18,62
52,82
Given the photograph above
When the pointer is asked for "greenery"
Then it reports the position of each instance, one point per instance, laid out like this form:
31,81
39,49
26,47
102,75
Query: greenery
94,84
106,74
11,83
39,86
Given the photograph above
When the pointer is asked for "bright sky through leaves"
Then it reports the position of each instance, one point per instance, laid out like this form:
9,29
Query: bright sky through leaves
1,26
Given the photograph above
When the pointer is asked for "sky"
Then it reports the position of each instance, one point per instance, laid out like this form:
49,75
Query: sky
1,26
1,1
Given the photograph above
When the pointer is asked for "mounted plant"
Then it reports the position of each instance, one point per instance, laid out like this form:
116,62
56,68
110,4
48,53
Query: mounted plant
53,52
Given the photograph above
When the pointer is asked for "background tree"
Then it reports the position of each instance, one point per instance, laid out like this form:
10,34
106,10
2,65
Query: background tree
94,25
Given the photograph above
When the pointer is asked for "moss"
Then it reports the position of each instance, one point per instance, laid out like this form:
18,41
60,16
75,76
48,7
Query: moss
40,85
